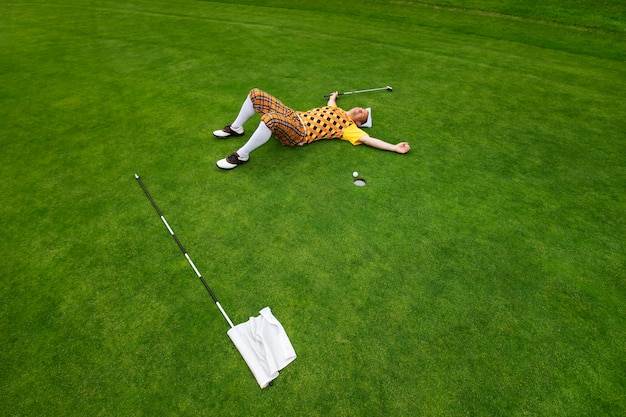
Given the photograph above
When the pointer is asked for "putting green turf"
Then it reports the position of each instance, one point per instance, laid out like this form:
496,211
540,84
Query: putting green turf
480,274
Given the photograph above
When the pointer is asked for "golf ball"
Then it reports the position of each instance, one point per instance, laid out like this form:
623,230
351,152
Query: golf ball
355,174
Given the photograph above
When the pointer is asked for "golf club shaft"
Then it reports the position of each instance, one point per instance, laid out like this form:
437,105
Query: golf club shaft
361,91
182,249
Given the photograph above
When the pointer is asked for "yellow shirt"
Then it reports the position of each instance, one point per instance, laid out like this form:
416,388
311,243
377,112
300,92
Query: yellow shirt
352,134
330,122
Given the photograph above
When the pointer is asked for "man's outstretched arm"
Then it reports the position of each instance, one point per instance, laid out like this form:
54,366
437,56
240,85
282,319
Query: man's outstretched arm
402,147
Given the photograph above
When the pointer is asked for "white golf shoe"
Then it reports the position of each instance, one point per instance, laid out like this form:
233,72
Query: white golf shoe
231,161
228,131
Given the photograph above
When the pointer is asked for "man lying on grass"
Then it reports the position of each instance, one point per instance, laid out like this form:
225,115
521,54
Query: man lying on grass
293,128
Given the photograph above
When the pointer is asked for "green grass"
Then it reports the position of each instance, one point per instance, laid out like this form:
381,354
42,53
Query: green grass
480,274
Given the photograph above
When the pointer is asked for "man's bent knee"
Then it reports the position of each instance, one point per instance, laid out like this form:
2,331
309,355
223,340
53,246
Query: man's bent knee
254,93
270,120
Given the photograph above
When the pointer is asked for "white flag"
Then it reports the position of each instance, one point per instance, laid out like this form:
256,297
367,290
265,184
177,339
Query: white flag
264,345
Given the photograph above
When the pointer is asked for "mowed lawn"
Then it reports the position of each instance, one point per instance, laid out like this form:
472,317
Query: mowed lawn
481,274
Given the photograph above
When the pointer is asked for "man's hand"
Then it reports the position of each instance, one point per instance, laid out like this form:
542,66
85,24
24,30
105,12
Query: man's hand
332,100
402,147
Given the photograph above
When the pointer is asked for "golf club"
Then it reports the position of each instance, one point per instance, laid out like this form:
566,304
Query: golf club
388,88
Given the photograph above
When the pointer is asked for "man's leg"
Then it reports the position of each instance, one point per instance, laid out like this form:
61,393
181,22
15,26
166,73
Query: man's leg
246,112
236,128
259,138
276,119
257,101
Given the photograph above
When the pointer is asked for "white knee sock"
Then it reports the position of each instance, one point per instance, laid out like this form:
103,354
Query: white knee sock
246,112
260,136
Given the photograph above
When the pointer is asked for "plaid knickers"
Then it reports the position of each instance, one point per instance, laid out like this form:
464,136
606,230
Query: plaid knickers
280,119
